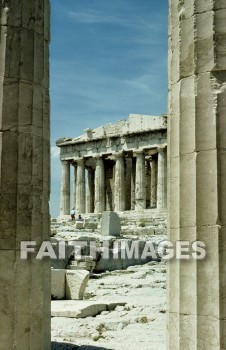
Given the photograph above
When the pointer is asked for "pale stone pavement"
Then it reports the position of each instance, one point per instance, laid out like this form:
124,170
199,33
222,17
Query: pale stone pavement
140,324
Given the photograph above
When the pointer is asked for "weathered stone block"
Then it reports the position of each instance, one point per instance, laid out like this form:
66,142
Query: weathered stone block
79,225
204,44
110,224
90,225
76,282
187,185
187,47
58,283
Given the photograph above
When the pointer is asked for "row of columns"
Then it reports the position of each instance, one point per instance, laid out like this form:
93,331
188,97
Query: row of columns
89,188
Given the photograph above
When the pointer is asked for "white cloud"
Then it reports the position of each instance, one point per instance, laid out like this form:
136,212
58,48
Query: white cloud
55,152
90,17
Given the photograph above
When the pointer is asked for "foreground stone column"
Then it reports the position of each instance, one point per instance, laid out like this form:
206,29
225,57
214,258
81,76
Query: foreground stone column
161,182
197,185
80,187
65,188
140,190
99,186
119,182
24,173
154,170
90,191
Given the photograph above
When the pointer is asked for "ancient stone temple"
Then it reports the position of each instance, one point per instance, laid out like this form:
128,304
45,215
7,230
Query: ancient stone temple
24,173
116,167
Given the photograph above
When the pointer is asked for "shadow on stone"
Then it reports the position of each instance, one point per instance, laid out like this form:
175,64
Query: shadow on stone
68,346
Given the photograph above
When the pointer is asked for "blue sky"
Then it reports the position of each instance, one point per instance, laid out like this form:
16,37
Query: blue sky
108,58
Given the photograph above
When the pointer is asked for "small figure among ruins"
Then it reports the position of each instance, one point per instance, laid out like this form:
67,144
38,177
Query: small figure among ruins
73,214
80,218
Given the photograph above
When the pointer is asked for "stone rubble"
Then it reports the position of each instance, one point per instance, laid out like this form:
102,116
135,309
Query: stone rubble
139,324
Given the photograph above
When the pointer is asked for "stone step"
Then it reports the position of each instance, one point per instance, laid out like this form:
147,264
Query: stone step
81,308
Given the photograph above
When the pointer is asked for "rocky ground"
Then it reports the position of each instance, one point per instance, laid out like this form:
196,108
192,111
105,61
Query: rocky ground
139,324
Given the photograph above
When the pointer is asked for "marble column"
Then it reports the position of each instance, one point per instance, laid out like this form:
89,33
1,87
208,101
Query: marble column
99,201
128,174
80,187
74,184
119,182
154,171
133,183
140,190
24,174
197,167
161,181
90,191
65,188
148,182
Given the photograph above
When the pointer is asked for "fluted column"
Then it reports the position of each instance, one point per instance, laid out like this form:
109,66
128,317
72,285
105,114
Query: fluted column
154,170
133,183
99,201
119,182
161,181
74,184
24,173
148,181
90,191
197,185
80,187
65,188
128,175
140,190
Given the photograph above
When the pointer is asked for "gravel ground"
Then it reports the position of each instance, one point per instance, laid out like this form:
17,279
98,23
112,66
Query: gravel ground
139,325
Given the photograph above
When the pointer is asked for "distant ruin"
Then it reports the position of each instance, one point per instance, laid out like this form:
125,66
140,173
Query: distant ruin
117,167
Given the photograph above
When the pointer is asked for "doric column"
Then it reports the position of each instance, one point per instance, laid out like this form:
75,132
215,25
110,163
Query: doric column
65,188
161,182
119,182
99,201
140,190
148,181
74,184
90,191
197,184
128,174
80,187
133,183
154,170
24,173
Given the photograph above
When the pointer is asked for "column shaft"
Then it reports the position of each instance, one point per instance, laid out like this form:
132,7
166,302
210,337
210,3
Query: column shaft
197,186
133,183
119,183
128,175
65,188
24,173
90,191
154,170
80,187
140,190
99,186
148,183
161,186
74,184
